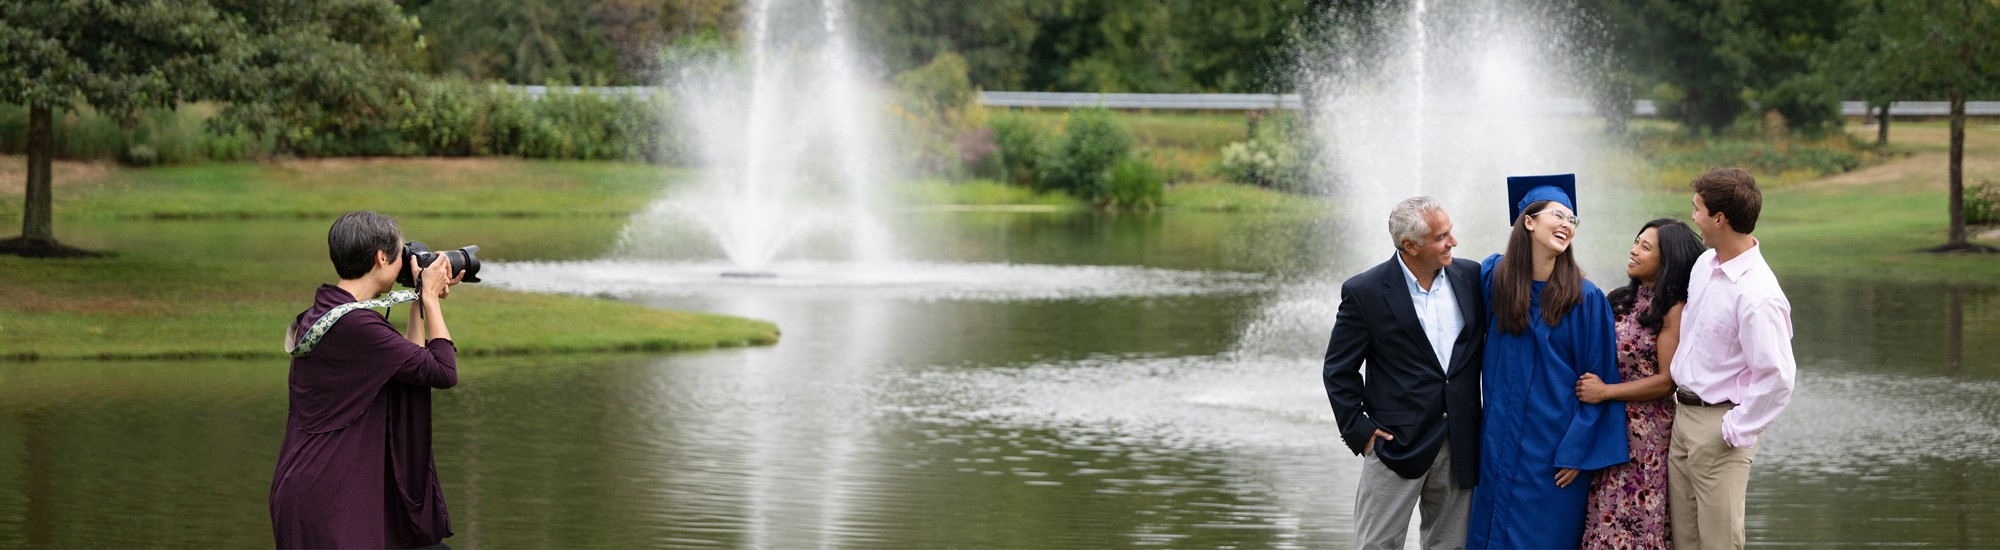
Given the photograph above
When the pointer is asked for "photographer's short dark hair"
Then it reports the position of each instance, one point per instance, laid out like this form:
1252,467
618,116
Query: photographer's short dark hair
355,238
1733,193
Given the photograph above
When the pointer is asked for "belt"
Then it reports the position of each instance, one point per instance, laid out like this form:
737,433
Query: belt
1688,397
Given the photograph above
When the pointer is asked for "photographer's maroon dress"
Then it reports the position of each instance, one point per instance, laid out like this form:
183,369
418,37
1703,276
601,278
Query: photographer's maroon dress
355,470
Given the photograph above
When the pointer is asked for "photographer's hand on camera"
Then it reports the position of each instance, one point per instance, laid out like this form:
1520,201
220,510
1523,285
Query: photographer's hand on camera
437,279
434,284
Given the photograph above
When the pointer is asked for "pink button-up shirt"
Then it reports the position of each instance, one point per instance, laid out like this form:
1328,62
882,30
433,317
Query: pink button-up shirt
1736,343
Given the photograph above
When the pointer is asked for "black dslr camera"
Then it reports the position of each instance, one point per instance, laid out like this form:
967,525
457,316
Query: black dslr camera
421,256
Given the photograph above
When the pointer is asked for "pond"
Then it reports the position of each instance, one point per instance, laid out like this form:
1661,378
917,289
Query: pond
1030,380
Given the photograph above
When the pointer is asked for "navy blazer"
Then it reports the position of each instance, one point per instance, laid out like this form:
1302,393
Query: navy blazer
1405,392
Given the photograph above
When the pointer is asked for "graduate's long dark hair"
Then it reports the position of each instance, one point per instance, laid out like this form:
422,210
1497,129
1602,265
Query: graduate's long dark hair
1514,279
1678,248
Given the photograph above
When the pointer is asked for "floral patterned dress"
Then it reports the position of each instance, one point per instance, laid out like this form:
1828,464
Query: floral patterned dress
1628,502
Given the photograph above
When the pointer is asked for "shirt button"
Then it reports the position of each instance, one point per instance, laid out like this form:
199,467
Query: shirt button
1447,415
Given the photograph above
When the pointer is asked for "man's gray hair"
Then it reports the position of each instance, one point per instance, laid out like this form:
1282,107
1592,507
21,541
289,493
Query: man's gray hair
1410,221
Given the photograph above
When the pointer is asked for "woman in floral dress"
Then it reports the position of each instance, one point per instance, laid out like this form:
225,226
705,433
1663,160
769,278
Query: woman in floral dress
1628,502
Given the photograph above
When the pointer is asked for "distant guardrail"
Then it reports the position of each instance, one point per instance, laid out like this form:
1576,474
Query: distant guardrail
539,91
1260,102
1248,102
1202,102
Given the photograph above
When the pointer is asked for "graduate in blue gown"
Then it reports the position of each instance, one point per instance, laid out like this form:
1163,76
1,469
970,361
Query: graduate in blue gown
1546,327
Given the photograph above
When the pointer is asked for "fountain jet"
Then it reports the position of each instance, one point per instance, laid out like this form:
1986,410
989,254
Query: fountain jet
788,137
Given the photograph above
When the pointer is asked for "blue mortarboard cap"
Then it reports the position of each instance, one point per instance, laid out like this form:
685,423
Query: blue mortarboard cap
1525,190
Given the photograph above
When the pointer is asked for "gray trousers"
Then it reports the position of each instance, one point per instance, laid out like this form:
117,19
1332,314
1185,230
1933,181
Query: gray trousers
1383,500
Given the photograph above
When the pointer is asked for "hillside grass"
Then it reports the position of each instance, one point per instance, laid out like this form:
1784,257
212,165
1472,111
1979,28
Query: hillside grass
189,293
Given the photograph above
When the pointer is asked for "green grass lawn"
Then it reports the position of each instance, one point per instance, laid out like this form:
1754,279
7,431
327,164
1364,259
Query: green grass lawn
425,187
1859,234
1237,197
1209,196
1872,224
153,302
198,295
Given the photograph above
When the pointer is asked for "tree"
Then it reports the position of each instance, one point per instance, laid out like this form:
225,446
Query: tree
1943,47
1710,57
1951,47
1861,63
1089,45
528,41
122,57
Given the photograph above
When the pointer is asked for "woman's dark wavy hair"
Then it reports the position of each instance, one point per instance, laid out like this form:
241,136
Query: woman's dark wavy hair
1514,279
1678,248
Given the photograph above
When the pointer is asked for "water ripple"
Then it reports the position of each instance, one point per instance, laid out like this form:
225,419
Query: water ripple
918,281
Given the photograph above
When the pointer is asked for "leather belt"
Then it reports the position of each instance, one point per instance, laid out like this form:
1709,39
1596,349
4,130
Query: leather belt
1687,397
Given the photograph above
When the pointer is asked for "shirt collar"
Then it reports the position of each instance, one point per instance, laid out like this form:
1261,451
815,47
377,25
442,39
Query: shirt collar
1411,278
1743,263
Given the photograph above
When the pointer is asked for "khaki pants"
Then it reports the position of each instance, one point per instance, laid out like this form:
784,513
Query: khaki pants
1706,480
1383,500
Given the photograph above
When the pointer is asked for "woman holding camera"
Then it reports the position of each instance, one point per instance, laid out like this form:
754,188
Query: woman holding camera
355,469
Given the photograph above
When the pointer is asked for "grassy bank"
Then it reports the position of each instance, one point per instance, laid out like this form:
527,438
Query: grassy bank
1186,146
1872,223
1210,196
429,187
177,290
140,304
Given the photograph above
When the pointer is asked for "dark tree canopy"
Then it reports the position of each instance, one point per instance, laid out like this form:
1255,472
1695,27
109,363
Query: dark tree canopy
1705,61
289,60
1937,48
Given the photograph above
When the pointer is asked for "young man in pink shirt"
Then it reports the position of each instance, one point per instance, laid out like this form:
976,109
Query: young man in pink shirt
1734,367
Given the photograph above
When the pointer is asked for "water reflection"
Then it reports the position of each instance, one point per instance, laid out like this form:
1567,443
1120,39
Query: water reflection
1180,415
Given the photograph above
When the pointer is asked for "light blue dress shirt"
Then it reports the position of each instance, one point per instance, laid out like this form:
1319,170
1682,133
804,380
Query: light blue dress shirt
1437,310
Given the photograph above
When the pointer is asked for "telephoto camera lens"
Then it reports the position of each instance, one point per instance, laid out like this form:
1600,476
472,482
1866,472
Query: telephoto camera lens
461,259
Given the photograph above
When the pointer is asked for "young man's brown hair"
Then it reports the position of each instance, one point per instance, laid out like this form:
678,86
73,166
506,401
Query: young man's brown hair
1732,193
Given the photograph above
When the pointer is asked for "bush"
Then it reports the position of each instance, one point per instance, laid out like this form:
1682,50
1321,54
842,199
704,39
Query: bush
157,136
1759,157
1136,184
1982,204
1669,101
1270,157
940,112
1017,142
444,117
1079,160
1809,103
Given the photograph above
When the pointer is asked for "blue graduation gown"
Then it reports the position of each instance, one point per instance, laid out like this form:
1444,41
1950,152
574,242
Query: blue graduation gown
1535,425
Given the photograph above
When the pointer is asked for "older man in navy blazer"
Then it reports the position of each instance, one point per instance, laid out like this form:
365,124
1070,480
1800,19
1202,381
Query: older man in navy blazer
1402,373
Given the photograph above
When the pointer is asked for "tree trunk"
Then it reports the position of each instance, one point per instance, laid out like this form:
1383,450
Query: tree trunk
1957,168
37,220
1882,125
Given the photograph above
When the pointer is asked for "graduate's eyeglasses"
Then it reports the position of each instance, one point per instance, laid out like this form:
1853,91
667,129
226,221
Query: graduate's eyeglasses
1572,219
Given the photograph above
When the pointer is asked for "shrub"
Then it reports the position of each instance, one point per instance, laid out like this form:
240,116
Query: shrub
1079,160
1136,184
443,117
1759,157
1264,162
1982,204
1017,143
157,136
940,113
1669,101
1269,158
1809,103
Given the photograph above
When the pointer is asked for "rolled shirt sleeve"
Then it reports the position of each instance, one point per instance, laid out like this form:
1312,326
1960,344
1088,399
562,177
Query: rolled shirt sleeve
1766,385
